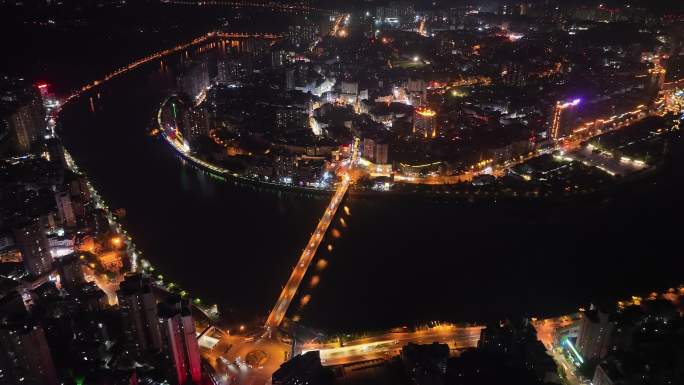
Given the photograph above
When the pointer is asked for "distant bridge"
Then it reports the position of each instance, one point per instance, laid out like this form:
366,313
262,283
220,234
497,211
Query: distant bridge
273,6
237,35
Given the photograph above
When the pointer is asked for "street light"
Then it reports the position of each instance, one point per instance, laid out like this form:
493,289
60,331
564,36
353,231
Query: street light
116,241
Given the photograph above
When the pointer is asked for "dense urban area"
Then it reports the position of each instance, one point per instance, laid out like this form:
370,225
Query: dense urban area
469,101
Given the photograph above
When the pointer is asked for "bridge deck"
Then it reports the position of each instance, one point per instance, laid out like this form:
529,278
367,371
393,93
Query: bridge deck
290,289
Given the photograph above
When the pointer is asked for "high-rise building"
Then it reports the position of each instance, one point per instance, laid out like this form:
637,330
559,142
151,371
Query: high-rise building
417,91
138,308
563,119
525,8
24,129
368,149
277,58
70,272
381,153
78,188
194,79
180,340
91,297
15,305
289,79
349,87
302,369
514,75
25,356
396,13
65,208
230,71
221,72
593,340
656,79
195,122
34,247
426,364
6,242
302,35
22,112
290,117
425,122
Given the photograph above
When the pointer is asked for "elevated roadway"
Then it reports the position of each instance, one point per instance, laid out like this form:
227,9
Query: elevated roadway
287,294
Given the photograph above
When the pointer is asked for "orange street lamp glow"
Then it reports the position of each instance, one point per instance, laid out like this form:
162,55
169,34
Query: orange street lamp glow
116,241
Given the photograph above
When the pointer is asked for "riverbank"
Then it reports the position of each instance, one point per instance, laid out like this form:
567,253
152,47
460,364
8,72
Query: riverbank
461,192
235,243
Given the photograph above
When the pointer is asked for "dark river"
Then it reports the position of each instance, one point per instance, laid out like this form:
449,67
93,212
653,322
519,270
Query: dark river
400,260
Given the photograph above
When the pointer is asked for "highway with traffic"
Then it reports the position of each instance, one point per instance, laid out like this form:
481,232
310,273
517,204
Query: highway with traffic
389,344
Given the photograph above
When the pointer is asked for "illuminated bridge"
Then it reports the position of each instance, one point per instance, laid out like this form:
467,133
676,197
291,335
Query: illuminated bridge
237,35
290,289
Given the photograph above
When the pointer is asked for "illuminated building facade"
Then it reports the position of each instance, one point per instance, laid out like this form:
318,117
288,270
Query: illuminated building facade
561,125
425,122
595,333
302,35
195,122
228,71
180,340
396,13
656,79
21,112
290,117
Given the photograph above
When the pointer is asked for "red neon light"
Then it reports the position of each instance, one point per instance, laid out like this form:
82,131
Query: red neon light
41,86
